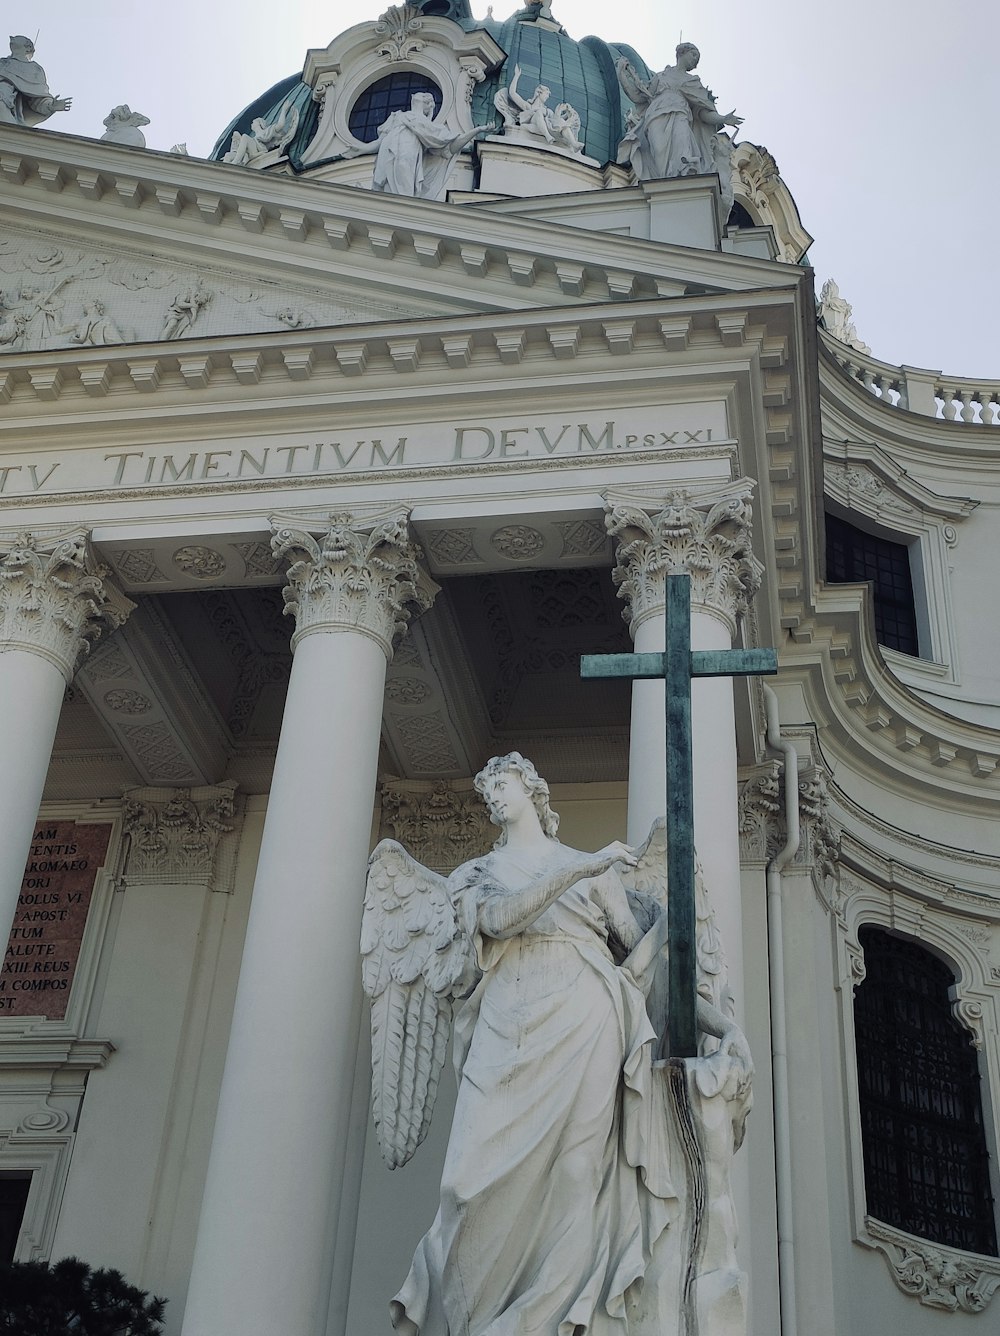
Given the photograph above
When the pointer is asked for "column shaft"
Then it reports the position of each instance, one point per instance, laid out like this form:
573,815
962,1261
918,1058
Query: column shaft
31,694
262,1260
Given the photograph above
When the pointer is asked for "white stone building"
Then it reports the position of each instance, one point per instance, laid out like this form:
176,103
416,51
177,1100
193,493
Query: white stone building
210,370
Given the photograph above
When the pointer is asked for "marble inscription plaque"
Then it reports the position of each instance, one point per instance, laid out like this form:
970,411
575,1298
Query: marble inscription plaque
52,910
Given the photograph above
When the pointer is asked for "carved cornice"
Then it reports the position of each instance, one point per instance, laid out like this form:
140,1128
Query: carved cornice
177,836
940,1277
360,575
442,824
704,534
55,598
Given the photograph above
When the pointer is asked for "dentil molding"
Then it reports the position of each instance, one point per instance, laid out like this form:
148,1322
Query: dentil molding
706,534
358,575
55,597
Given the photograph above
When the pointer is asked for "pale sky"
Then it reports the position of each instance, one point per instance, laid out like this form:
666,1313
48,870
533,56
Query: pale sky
882,116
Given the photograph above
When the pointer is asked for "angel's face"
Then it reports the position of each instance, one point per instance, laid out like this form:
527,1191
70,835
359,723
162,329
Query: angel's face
506,797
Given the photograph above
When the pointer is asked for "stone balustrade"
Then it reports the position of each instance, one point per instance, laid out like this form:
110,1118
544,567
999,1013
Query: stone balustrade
949,398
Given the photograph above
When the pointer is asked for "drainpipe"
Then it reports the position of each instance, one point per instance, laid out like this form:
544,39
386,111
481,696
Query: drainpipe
779,1042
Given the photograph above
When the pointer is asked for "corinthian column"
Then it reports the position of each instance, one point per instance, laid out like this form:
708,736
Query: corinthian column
265,1241
54,600
704,534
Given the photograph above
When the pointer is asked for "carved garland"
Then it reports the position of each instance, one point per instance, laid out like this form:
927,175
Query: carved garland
352,578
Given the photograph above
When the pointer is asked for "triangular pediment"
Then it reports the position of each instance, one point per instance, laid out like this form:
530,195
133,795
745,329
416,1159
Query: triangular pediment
102,244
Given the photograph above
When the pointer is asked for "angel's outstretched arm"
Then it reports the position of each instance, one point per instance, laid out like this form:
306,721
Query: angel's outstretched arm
504,913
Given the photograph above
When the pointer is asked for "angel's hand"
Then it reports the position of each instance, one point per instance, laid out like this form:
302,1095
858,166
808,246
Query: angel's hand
615,852
734,1042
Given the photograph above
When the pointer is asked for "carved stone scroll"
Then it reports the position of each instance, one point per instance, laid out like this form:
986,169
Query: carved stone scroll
55,598
706,534
358,576
939,1277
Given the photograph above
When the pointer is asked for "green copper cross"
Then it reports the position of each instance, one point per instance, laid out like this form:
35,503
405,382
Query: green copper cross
678,666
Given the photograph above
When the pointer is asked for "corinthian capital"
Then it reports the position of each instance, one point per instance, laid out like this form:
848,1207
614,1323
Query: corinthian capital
360,575
55,598
705,534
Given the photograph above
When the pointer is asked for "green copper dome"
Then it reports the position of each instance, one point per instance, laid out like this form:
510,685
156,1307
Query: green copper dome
581,73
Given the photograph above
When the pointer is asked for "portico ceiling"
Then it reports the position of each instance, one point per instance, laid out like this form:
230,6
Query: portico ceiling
192,689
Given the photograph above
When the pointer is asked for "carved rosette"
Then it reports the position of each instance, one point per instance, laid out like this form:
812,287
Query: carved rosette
176,835
354,577
55,598
940,1277
706,536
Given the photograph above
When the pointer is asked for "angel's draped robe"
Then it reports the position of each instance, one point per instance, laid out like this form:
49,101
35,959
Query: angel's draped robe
557,1178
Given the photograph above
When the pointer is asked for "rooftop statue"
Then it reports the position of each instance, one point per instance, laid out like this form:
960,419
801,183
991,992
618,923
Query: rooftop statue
558,126
24,95
246,149
415,152
565,1176
121,126
675,130
835,315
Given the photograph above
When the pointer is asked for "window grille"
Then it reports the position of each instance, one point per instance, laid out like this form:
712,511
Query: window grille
925,1157
853,556
379,100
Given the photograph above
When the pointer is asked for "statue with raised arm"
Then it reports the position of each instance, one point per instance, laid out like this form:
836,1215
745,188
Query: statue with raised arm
570,1174
25,98
677,120
415,151
558,126
264,137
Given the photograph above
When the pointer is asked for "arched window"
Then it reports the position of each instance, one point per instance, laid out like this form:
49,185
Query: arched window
379,100
925,1156
854,556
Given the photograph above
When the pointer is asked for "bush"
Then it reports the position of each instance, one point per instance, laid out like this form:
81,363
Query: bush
69,1299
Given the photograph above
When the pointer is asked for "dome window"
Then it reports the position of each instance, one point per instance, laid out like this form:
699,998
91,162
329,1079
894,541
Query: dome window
379,100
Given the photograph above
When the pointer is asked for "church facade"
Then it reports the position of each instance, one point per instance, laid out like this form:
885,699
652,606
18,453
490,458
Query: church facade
312,496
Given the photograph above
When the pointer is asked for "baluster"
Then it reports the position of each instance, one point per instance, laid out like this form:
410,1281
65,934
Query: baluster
968,411
950,396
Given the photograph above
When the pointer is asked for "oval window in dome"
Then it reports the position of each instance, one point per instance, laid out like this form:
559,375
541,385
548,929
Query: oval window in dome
393,93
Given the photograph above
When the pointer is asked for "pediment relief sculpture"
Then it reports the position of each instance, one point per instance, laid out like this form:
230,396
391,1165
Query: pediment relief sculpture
554,963
54,296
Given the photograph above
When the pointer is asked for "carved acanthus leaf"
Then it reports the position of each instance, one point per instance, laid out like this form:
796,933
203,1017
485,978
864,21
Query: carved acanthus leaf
175,834
55,598
399,26
707,536
759,809
939,1277
442,824
353,577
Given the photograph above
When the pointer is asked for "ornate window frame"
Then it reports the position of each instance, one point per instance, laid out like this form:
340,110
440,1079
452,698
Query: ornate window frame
862,481
402,39
945,1278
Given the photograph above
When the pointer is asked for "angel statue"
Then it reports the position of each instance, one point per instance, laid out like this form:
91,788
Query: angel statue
264,137
573,1193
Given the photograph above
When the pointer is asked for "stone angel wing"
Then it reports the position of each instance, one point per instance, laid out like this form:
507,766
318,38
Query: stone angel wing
416,960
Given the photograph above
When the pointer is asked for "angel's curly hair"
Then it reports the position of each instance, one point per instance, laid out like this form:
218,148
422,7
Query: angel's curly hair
535,787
